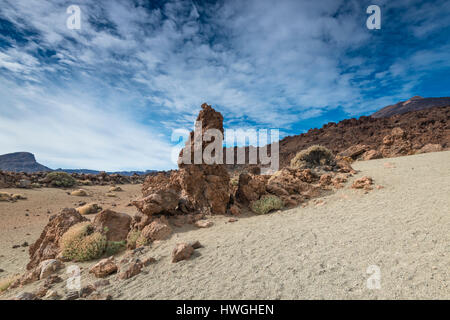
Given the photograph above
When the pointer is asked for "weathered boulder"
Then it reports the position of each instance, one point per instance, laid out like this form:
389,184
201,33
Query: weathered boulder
430,148
363,183
159,229
354,151
250,187
130,269
48,267
203,224
47,246
90,208
371,154
104,267
182,251
116,224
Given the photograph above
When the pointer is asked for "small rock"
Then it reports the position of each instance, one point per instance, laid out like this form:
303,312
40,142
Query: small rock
52,295
49,267
104,268
26,296
148,261
182,251
131,269
232,220
87,290
196,245
235,211
101,283
72,295
203,224
41,292
51,280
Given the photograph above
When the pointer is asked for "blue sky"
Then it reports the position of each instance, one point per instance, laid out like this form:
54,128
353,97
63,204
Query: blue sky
109,96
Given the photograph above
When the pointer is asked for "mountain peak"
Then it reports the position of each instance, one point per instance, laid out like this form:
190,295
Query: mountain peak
21,161
413,104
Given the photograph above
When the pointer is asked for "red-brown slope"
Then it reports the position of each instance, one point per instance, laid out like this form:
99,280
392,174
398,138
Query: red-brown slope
421,127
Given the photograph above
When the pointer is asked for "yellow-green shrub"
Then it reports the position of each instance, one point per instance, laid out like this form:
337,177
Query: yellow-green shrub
82,243
312,157
266,204
135,239
60,179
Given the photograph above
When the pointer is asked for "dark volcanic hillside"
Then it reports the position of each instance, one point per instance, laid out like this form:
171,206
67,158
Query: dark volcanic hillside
21,162
414,104
430,126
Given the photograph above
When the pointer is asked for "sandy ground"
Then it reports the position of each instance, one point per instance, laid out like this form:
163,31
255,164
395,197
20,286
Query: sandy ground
24,220
317,252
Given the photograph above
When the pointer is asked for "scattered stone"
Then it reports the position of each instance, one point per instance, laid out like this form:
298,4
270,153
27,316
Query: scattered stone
182,251
51,280
87,290
26,296
363,183
91,208
79,193
371,154
49,267
148,261
117,224
72,295
111,195
104,267
52,295
115,189
41,292
235,211
196,245
203,224
430,148
130,269
389,165
101,283
157,230
231,220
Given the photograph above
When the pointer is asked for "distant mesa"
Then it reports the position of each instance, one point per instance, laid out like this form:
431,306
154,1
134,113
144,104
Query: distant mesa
414,104
21,162
26,162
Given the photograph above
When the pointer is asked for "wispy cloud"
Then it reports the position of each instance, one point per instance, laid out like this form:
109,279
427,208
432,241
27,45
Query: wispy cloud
107,96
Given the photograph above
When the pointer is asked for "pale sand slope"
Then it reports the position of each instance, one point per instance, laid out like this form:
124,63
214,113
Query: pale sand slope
316,252
322,252
16,227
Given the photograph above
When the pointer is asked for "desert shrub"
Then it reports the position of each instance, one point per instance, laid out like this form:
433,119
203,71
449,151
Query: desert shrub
6,282
312,157
60,179
135,239
114,247
266,204
82,243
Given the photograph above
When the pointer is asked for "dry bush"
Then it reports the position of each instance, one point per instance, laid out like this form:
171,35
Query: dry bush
266,204
312,157
60,179
82,243
135,239
6,282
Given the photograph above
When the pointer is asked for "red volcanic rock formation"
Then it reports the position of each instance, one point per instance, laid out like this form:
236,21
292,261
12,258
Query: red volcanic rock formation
197,186
47,246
